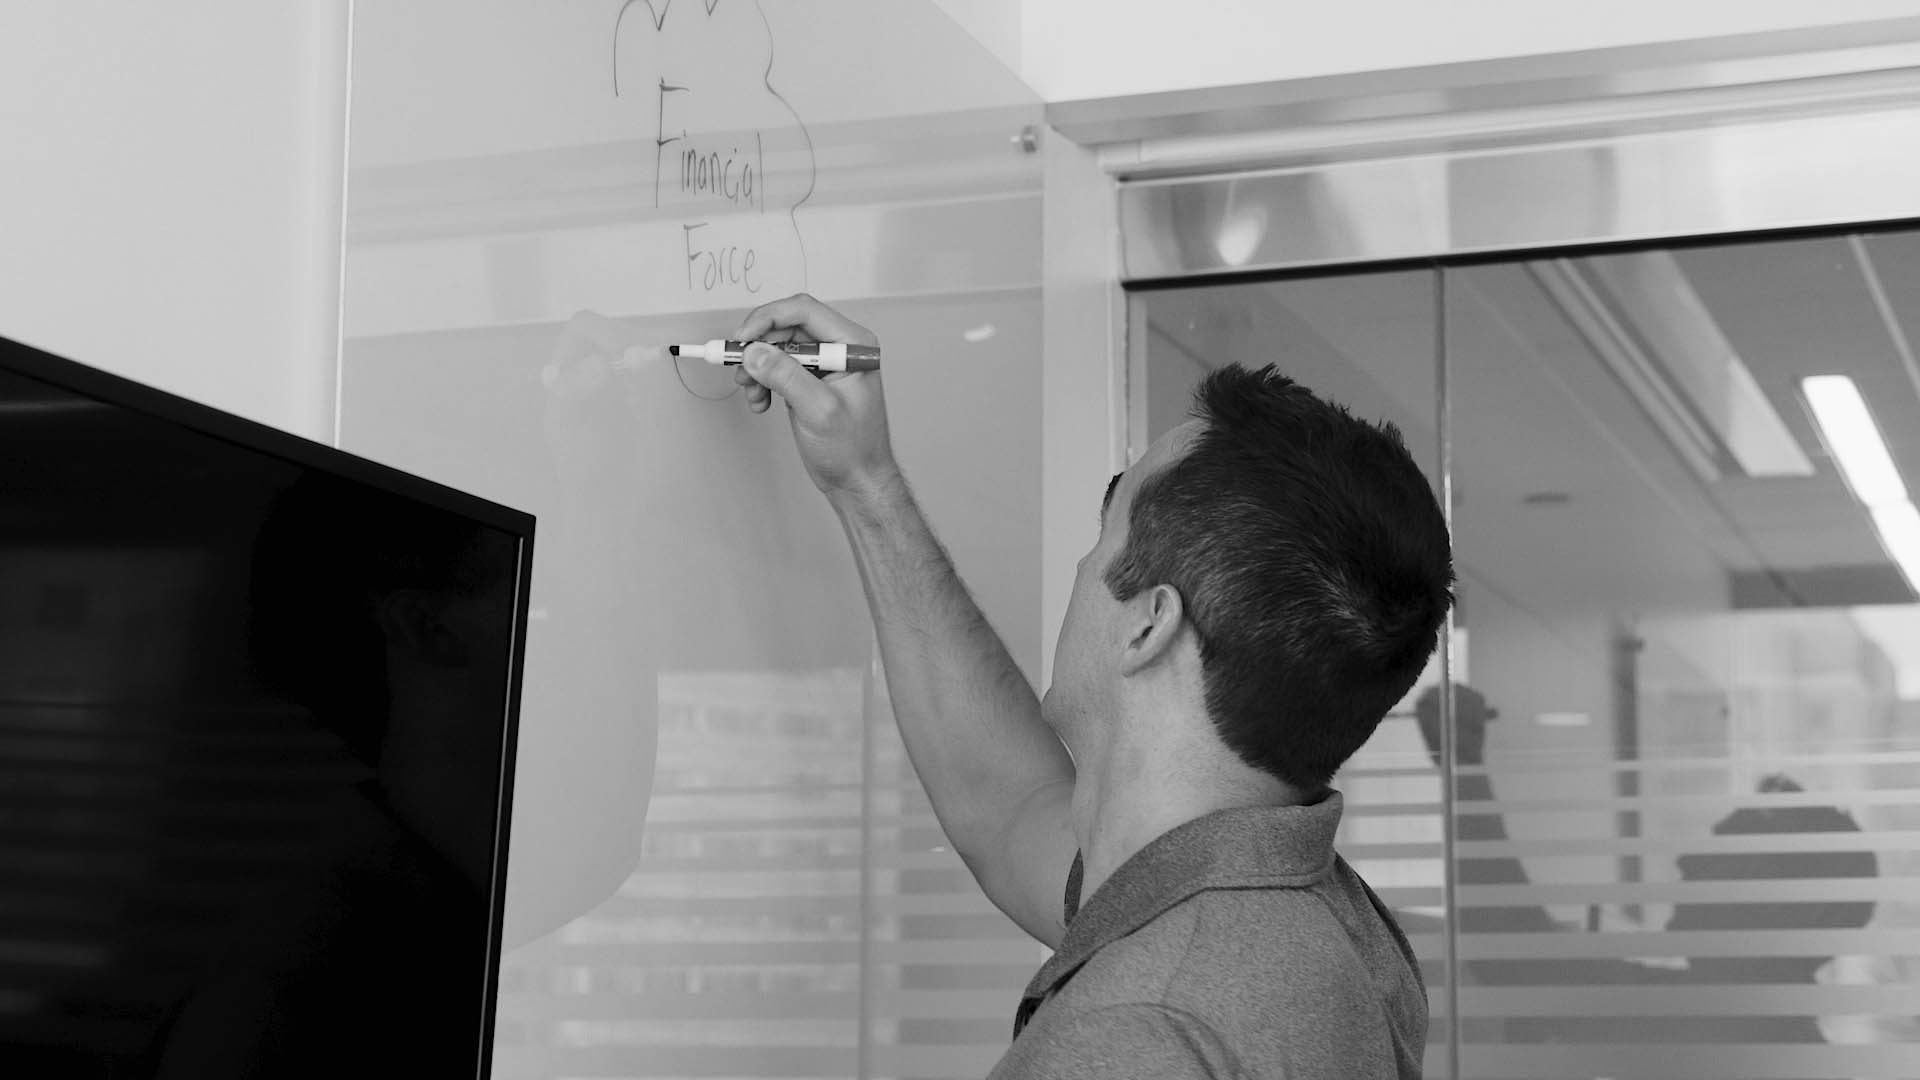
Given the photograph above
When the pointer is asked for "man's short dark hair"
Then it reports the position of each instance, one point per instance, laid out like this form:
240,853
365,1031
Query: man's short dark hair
1313,562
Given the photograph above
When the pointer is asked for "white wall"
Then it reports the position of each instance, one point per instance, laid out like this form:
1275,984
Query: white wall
170,183
996,24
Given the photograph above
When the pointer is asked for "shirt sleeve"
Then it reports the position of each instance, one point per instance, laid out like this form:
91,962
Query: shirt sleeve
1123,1042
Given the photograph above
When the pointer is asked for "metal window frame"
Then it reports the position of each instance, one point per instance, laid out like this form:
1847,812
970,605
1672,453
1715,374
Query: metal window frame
1618,147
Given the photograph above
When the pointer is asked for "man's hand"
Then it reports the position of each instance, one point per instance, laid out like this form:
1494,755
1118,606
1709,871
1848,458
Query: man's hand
839,421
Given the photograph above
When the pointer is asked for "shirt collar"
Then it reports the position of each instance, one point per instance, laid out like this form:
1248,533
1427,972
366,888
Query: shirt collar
1258,847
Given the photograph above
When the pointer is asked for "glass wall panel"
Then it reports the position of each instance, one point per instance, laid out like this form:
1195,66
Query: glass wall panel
1687,733
1686,660
721,863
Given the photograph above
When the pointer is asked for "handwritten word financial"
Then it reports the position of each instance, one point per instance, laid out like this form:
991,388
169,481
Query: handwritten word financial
719,179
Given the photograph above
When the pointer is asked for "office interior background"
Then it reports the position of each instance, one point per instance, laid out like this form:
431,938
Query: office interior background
1640,283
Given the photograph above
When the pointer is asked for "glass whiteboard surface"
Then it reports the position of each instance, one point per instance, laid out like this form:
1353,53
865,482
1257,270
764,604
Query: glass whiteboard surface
721,863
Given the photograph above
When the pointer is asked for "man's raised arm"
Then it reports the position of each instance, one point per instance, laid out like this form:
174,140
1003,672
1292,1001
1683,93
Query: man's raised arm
999,779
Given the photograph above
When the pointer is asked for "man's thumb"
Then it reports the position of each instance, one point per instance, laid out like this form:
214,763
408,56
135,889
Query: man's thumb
772,368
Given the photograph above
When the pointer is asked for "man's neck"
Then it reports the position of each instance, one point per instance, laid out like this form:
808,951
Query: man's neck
1128,798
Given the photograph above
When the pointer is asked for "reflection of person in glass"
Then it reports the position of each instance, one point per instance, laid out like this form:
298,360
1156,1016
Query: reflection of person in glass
1471,714
1762,915
392,624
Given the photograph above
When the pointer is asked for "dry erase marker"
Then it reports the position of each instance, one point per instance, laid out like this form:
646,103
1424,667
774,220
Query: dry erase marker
825,356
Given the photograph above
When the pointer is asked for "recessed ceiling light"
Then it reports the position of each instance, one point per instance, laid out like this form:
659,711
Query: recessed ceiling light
1899,525
1854,439
1855,443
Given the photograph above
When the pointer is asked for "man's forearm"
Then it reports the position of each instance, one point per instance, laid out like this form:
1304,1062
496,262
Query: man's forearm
969,718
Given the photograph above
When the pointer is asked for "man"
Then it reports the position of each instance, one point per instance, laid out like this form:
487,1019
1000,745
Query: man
1270,578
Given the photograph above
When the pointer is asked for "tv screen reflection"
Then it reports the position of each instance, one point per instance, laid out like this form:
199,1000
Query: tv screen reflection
255,723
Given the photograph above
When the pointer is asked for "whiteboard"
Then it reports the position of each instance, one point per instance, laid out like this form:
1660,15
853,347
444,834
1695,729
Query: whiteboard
720,858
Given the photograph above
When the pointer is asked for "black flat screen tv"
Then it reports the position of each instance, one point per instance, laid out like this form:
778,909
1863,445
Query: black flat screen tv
258,711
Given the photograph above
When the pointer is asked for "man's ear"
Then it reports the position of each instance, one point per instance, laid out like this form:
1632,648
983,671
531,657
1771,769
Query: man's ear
1155,619
412,623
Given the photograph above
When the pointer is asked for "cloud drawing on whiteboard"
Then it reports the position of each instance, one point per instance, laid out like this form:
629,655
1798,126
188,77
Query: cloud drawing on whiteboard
733,161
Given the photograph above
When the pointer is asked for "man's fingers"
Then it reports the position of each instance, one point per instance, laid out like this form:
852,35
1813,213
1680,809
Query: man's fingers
803,313
769,370
758,397
774,370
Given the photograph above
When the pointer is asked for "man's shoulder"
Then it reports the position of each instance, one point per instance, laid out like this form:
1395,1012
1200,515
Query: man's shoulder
1274,973
1121,1041
1283,942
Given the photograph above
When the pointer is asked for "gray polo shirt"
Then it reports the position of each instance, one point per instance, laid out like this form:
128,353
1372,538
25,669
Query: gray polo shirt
1237,945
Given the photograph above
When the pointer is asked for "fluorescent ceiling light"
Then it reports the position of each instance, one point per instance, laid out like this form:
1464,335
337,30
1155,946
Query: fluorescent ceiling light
1854,440
1899,525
